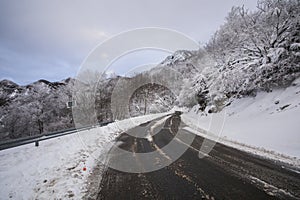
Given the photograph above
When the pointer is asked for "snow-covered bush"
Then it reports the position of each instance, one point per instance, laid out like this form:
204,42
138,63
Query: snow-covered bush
258,50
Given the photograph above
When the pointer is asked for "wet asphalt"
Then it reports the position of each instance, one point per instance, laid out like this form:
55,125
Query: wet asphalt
225,173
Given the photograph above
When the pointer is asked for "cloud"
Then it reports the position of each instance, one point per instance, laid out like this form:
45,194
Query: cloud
52,38
94,34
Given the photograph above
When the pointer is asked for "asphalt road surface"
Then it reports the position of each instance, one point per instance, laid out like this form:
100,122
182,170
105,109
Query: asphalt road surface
225,173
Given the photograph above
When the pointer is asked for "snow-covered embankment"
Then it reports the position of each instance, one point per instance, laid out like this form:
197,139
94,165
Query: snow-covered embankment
267,124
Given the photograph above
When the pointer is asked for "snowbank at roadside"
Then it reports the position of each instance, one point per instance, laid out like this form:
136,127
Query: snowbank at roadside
268,124
59,167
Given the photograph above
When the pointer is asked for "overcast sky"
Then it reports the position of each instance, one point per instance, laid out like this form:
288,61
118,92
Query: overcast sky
50,39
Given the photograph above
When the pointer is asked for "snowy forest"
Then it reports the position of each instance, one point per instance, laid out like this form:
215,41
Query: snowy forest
252,51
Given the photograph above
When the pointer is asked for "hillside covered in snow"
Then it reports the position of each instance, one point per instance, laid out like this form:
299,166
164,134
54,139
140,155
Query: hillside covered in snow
35,108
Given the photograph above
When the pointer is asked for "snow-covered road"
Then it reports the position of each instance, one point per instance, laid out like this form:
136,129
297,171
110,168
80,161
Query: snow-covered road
59,167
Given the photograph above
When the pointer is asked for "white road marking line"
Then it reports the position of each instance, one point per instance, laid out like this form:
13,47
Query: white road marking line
200,152
271,189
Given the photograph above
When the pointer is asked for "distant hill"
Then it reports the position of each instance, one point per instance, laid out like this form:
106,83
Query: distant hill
35,108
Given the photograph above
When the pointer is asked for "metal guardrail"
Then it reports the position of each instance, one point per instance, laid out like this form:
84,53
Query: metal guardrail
36,138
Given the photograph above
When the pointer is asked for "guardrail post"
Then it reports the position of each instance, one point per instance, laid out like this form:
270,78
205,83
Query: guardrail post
37,143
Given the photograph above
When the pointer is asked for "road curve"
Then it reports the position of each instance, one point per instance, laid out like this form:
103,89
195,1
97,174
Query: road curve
226,173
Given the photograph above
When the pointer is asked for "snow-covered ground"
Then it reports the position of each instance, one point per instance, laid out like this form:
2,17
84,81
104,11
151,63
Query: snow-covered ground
268,124
59,167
